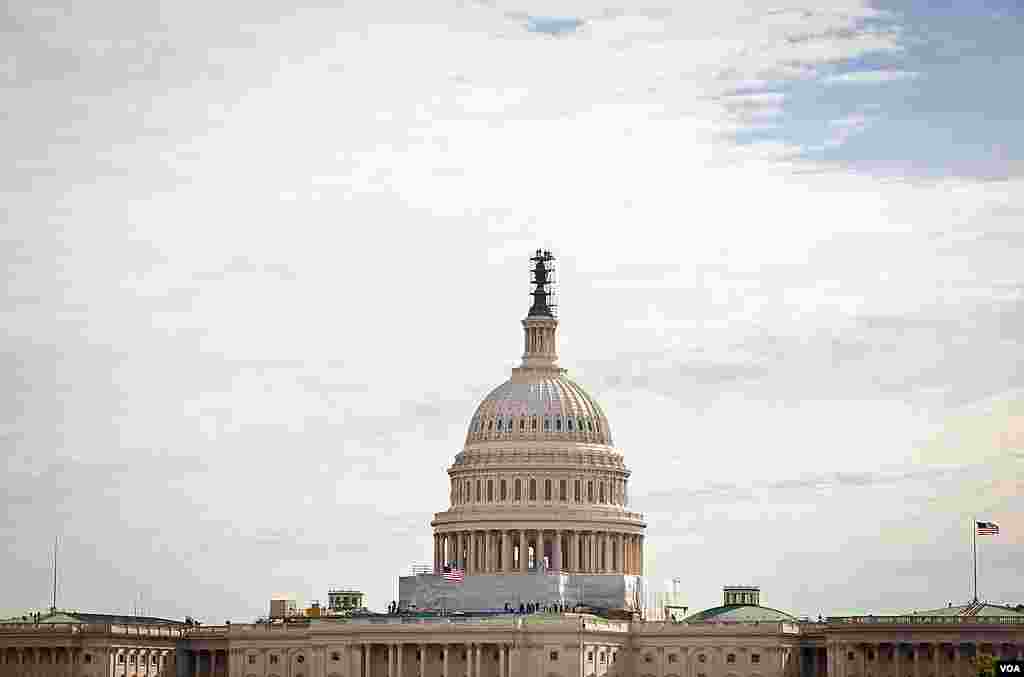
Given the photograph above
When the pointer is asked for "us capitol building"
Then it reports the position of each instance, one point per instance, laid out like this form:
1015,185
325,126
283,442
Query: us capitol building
538,511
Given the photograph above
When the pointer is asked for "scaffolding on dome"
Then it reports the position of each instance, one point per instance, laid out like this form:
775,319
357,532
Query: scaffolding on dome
542,284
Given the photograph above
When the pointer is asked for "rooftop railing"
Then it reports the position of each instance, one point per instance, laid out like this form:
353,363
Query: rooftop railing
925,620
171,632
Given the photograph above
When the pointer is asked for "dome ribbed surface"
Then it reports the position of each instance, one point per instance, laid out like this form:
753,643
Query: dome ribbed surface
541,406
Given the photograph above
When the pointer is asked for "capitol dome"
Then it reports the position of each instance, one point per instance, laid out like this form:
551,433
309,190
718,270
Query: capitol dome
539,406
538,485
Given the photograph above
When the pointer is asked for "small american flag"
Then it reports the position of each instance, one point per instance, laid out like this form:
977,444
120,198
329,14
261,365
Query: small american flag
988,529
454,575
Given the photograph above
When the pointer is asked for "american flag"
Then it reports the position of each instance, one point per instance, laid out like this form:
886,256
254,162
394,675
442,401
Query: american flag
454,575
988,529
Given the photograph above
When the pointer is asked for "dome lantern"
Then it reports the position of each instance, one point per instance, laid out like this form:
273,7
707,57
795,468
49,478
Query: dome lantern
540,326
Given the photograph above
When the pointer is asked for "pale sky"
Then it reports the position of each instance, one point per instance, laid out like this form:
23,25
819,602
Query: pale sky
263,261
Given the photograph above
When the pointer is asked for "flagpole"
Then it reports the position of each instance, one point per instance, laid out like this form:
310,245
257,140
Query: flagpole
974,534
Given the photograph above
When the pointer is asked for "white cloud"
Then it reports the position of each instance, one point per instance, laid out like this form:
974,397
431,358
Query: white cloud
165,294
868,77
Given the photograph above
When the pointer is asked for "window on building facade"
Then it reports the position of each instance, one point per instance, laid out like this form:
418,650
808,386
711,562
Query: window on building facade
490,491
335,656
590,492
871,655
301,658
601,656
273,659
504,490
590,656
547,423
519,490
87,658
533,489
478,491
547,490
568,423
755,658
558,423
702,658
152,661
534,426
648,658
522,424
577,484
561,490
466,495
131,659
553,655
731,658
252,660
120,658
602,492
849,655
672,658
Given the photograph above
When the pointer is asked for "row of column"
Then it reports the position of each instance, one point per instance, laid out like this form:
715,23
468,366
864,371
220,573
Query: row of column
128,661
475,656
508,551
851,659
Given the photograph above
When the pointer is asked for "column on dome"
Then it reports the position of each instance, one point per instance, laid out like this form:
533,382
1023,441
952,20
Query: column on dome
540,550
556,551
522,551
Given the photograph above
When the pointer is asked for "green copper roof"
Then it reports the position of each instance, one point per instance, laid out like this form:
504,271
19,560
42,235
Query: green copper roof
739,613
973,609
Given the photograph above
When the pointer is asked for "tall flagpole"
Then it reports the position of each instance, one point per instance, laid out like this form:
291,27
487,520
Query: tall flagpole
974,534
54,606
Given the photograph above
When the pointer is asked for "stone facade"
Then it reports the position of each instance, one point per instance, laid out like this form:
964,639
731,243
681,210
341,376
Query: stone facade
524,646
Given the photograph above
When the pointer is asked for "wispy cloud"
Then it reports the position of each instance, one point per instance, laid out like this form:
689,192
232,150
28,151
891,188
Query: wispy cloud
869,77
